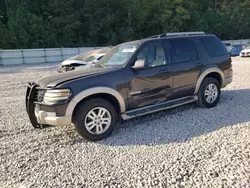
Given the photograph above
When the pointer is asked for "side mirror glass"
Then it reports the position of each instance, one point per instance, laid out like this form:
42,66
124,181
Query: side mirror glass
139,64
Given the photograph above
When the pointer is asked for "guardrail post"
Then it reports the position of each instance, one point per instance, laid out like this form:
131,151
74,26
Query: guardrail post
61,54
1,62
22,56
45,55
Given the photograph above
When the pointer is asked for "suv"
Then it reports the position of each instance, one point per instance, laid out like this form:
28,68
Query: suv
133,79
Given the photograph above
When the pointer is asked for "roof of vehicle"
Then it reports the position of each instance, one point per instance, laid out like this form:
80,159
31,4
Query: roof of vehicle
168,35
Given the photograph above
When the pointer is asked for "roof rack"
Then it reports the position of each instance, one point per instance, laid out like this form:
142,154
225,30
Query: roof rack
178,34
155,36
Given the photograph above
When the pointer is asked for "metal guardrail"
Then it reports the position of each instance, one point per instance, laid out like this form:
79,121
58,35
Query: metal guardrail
33,56
238,42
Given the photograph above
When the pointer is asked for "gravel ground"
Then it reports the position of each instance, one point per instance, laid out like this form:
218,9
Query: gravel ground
183,147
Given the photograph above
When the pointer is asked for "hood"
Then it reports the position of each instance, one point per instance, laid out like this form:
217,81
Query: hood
59,78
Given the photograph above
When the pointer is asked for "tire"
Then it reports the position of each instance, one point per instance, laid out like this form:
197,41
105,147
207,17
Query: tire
85,115
203,93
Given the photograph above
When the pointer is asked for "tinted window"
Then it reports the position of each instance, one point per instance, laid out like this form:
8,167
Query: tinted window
183,50
153,54
193,52
214,46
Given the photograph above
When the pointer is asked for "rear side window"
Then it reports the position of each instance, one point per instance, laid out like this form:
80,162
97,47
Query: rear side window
214,46
183,50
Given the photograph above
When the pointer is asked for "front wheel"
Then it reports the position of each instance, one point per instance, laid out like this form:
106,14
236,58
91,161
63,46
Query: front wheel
95,119
209,93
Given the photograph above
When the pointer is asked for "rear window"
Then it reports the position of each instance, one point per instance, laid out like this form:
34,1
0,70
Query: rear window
214,46
183,50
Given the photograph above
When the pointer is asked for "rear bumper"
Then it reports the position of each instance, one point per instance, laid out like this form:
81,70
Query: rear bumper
227,81
50,118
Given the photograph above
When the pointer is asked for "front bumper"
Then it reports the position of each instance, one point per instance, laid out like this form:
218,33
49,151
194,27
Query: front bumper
245,54
50,118
40,117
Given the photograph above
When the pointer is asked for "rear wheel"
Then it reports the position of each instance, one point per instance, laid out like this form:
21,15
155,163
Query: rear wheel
95,119
209,93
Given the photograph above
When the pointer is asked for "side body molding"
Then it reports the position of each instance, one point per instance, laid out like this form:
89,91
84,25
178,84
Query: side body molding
92,91
205,73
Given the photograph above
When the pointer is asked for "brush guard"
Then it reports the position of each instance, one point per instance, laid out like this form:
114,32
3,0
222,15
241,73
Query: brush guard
31,94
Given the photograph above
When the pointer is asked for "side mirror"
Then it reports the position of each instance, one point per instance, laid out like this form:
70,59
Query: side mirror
139,64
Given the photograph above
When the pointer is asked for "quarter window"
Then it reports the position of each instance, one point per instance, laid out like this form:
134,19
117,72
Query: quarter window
214,46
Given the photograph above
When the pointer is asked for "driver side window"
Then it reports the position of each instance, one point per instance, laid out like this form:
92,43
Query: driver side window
153,54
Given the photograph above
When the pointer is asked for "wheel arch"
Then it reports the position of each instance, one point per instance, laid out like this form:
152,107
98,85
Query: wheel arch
96,92
210,71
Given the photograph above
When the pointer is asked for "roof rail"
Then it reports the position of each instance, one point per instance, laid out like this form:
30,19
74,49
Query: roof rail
178,34
185,33
155,36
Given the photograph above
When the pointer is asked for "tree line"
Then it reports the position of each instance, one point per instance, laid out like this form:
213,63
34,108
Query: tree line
71,23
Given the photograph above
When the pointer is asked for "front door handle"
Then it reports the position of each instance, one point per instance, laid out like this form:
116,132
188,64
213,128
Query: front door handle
199,63
164,70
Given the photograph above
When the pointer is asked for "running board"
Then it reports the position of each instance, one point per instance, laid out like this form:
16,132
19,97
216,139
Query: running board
158,107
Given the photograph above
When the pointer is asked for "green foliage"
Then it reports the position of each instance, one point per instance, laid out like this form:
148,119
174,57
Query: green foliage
3,36
69,23
25,30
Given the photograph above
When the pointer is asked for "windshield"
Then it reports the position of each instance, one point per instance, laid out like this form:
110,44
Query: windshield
88,59
91,55
118,55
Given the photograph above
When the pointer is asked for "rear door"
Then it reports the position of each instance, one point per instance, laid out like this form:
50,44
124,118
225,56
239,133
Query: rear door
186,64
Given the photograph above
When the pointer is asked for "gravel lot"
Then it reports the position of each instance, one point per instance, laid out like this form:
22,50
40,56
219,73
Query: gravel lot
183,147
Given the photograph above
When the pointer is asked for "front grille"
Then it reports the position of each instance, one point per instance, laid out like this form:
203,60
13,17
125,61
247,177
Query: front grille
39,95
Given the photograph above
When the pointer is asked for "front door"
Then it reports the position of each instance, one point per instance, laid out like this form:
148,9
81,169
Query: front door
152,84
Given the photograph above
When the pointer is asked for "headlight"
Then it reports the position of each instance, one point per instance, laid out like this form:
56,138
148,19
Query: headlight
55,96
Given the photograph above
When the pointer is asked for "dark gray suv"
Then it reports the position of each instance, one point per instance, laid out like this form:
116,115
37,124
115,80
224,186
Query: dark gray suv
133,79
